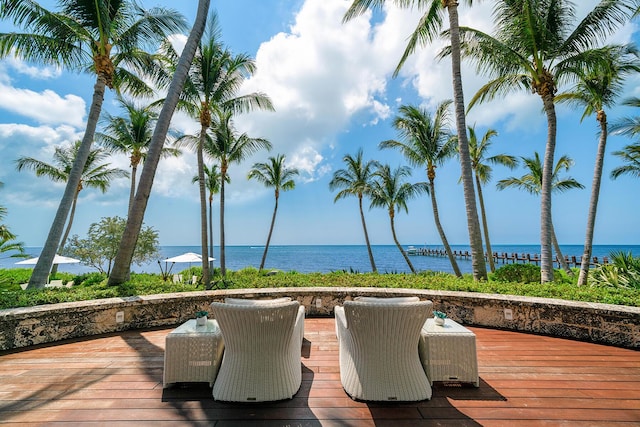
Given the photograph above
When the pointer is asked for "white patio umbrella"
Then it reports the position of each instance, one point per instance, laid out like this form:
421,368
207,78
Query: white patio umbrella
58,259
189,257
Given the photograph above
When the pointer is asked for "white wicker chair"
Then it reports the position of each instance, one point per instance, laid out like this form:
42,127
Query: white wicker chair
379,358
262,354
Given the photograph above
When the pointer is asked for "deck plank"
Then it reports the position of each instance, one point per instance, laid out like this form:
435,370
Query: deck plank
526,380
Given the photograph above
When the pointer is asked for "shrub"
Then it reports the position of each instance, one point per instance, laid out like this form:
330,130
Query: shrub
522,273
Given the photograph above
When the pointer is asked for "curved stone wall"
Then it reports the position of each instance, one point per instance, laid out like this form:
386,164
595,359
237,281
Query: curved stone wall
600,323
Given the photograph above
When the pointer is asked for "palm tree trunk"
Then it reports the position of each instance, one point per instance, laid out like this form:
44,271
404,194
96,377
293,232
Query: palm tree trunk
45,261
395,239
72,214
485,226
546,257
366,235
132,190
203,208
478,263
211,232
223,173
593,203
561,261
122,262
443,237
273,222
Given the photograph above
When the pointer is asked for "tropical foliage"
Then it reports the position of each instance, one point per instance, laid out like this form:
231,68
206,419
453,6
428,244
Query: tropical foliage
273,174
429,28
355,180
426,142
96,174
106,39
131,134
389,190
99,248
536,47
623,271
122,263
481,165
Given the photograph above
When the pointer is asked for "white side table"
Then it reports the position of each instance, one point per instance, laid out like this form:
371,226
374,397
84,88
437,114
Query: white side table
448,353
193,353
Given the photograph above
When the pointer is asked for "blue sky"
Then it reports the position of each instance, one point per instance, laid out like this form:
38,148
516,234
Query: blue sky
332,88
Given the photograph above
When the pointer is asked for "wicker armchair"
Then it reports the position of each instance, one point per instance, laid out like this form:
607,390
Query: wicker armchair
379,358
263,343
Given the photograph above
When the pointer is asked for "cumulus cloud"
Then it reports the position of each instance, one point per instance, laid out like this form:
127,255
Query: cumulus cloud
45,107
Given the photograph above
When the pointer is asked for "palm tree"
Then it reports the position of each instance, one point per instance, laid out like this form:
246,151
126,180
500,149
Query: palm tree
389,190
595,90
215,79
102,37
629,126
532,183
5,234
429,28
95,175
227,146
537,46
212,179
131,134
426,142
273,174
482,174
355,180
122,262
631,156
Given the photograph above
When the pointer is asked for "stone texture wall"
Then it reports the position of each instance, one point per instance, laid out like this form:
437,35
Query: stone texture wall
600,323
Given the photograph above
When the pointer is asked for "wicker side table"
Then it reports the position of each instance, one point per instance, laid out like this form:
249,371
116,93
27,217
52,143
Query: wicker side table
193,353
448,353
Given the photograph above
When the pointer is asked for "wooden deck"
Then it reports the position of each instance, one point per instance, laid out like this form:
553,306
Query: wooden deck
526,380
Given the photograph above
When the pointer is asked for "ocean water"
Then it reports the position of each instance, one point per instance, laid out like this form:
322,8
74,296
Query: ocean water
328,258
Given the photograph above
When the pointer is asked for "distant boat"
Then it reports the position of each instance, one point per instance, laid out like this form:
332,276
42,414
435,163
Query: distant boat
411,250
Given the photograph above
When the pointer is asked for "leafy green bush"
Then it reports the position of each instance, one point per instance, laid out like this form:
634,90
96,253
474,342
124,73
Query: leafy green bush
523,273
147,284
623,272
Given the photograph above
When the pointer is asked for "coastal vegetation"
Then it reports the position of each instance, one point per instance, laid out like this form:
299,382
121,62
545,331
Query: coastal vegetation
512,279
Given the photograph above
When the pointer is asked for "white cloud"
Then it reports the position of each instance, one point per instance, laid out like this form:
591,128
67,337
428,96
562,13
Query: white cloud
37,73
45,107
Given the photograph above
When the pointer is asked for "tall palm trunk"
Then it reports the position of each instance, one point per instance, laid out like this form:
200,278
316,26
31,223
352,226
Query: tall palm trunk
546,258
273,222
485,226
122,262
210,232
475,238
45,261
395,239
132,190
223,173
593,203
72,214
366,235
443,237
561,261
203,207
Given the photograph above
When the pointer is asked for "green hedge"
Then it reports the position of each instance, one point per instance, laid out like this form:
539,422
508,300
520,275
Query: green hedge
94,287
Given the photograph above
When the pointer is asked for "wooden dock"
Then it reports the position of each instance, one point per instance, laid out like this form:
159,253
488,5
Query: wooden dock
506,258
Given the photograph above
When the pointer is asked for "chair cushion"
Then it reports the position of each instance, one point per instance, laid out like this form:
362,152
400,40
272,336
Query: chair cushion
383,300
242,301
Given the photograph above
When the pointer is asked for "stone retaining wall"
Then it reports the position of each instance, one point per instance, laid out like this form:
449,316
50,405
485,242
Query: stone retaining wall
600,323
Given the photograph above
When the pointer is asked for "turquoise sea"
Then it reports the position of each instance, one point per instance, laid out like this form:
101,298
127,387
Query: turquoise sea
328,258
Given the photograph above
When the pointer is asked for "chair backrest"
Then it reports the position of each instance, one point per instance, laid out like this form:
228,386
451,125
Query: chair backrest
256,327
389,326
